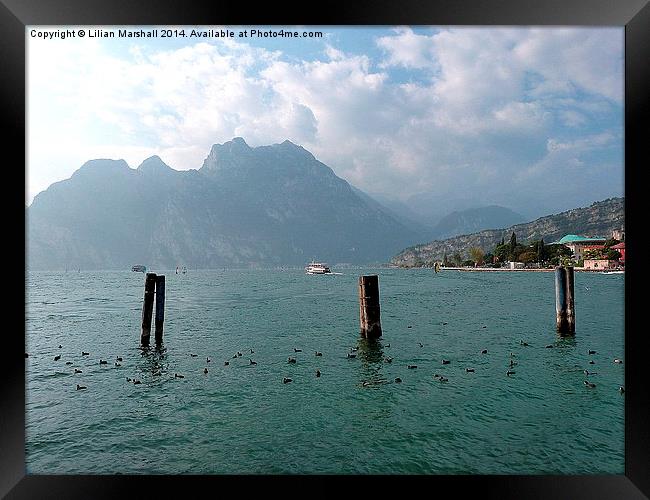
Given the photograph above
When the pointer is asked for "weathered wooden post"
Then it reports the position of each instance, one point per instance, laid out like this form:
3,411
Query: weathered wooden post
369,311
160,307
564,305
147,307
570,305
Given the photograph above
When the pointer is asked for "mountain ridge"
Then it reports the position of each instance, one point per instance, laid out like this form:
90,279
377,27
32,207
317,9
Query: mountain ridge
476,219
245,207
598,219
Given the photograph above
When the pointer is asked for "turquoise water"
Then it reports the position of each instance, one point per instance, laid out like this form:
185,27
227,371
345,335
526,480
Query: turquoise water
242,418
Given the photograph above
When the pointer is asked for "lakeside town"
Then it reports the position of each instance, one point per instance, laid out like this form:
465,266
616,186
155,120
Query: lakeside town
584,253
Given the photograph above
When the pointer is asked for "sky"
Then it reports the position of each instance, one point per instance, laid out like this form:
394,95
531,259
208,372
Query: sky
530,118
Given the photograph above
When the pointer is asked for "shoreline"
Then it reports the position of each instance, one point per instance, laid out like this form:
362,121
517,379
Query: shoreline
499,269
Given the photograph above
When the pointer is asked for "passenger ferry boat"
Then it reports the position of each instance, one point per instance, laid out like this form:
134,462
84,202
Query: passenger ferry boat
139,269
317,268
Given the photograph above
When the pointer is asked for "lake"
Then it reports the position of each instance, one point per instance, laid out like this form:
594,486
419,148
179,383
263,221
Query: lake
241,418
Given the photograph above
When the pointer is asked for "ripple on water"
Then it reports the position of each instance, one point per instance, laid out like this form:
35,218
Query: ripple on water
243,419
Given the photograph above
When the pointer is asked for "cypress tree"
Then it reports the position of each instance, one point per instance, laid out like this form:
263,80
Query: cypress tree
511,247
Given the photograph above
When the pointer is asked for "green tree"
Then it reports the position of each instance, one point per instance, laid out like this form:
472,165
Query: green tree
593,254
513,241
476,254
566,260
457,259
502,251
541,254
528,256
516,251
611,242
556,253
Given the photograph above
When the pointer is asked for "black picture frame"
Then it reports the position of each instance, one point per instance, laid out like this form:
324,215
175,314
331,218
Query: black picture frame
634,15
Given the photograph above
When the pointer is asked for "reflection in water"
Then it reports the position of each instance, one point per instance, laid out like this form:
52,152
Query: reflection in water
565,340
153,360
370,350
371,355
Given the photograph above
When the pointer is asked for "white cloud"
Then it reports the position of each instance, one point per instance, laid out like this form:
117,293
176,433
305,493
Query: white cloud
583,144
479,106
407,49
585,58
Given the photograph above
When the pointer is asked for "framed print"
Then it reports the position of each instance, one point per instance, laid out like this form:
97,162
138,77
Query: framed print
371,242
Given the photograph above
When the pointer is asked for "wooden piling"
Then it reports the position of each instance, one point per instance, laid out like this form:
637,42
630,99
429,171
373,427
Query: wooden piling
160,307
570,305
564,303
369,310
147,307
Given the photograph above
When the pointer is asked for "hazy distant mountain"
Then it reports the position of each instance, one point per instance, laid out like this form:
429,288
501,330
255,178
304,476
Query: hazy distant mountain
430,208
264,206
474,220
398,211
599,219
438,218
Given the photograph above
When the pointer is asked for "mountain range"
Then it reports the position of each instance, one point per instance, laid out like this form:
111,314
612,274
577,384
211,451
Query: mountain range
245,207
598,220
475,219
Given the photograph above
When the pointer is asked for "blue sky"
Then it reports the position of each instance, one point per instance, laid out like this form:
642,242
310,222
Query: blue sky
528,118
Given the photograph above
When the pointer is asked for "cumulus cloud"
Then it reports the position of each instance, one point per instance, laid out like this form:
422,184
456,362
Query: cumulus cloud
405,48
441,111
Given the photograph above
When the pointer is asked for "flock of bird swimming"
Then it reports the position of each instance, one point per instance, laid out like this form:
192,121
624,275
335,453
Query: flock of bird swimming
350,355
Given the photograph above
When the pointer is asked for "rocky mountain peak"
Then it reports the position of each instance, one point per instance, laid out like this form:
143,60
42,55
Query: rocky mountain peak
265,206
102,167
154,164
227,155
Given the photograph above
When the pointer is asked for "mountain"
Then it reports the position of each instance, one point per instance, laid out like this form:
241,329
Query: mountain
398,211
599,219
474,220
245,207
430,208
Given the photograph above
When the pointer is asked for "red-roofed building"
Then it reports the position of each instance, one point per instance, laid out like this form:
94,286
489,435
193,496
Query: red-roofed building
620,248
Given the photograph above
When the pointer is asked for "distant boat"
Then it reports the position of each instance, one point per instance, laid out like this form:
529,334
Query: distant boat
139,269
317,268
612,272
436,267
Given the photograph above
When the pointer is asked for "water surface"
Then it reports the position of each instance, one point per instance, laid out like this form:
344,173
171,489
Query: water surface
242,418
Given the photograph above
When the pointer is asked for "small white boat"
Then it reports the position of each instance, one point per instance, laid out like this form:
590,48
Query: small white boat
612,272
317,268
139,269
